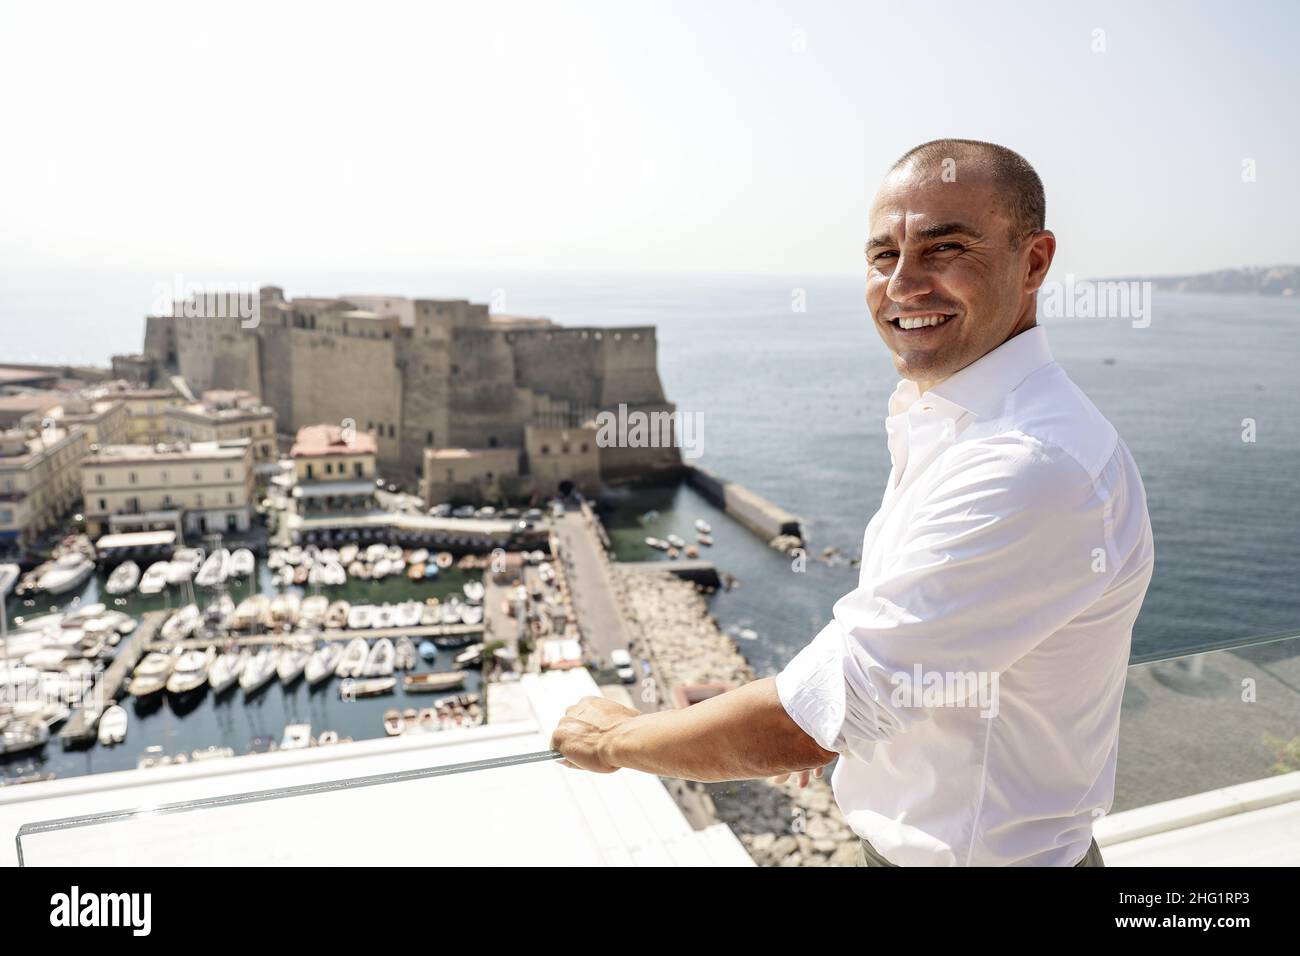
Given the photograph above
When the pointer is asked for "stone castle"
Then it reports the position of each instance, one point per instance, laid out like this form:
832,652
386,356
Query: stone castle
418,373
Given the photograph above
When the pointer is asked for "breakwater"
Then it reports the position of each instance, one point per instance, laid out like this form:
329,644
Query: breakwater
765,519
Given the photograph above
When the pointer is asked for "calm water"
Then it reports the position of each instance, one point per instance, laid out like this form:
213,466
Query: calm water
792,405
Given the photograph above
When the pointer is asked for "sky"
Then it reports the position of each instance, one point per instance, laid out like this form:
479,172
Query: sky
737,137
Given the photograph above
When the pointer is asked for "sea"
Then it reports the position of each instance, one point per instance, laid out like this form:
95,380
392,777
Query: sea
789,383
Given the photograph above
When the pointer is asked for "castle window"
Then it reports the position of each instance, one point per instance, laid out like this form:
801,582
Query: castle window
310,471
329,469
391,431
546,449
492,441
132,478
428,438
584,448
357,469
103,505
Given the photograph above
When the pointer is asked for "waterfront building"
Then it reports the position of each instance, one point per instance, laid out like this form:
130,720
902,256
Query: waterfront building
195,489
334,469
39,481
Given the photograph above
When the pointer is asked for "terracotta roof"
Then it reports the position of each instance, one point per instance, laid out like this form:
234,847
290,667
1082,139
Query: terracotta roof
316,440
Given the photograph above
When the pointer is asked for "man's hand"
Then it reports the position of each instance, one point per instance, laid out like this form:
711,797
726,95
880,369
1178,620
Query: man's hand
579,734
801,778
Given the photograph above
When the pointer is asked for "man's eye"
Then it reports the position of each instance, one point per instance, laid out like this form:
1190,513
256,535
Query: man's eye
944,246
883,255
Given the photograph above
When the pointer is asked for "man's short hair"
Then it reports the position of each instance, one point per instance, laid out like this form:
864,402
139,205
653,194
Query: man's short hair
1020,187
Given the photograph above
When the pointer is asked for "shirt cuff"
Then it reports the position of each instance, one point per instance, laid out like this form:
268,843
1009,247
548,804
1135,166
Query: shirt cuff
811,689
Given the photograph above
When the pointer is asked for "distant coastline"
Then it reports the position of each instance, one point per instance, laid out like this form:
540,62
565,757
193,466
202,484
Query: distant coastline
1259,280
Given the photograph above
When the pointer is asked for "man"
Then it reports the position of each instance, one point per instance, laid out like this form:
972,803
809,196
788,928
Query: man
970,685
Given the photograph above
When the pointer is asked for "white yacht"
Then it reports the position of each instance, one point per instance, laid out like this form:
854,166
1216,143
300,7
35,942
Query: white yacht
69,572
353,659
242,563
258,670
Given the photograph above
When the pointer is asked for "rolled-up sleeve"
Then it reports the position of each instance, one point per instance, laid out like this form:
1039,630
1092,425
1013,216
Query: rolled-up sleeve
1007,545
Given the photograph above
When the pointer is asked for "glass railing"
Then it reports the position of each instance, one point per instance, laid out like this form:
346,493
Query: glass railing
1191,723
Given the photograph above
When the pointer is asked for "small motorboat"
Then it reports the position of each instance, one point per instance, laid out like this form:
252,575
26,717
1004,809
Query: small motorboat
225,670
347,554
383,617
451,612
428,651
322,663
471,614
474,591
296,737
404,655
292,663
419,556
360,615
191,672
381,660
112,726
336,617
181,624
407,614
123,579
185,563
430,571
155,578
659,544
312,612
215,569
251,611
353,659
444,560
371,687
432,682
258,670
242,563
23,735
394,723
706,540
702,526
415,572
471,656
676,541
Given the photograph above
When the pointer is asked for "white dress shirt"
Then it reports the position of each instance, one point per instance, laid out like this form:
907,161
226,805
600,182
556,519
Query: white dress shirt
971,682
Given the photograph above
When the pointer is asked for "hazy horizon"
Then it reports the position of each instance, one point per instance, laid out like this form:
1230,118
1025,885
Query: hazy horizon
651,138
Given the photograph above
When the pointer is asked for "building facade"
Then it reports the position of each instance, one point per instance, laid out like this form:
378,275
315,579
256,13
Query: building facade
196,488
40,481
226,416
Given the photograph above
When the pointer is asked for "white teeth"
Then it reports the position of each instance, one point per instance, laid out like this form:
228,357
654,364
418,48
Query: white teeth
922,321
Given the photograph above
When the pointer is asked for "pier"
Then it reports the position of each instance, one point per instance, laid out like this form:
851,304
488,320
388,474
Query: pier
367,633
751,509
82,725
696,570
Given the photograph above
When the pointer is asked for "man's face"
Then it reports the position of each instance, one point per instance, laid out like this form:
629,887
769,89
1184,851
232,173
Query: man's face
943,249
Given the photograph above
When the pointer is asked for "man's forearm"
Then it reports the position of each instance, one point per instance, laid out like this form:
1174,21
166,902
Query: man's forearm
740,735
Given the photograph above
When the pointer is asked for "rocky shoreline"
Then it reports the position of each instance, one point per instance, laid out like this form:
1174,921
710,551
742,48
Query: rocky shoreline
779,824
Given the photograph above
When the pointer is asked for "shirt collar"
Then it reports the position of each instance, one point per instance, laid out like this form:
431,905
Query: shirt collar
983,383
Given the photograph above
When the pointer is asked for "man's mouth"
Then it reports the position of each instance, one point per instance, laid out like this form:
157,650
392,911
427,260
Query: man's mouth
921,320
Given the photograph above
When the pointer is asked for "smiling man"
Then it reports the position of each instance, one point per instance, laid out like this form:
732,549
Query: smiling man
970,684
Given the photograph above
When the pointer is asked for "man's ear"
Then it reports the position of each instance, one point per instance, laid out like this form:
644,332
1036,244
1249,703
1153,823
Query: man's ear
1042,249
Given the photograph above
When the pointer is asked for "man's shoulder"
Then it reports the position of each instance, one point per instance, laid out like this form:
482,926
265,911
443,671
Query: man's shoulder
1044,424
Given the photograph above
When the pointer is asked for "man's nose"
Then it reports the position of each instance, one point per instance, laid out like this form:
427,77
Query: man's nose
908,280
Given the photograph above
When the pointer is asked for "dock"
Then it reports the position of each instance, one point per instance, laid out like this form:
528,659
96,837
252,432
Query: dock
81,727
366,633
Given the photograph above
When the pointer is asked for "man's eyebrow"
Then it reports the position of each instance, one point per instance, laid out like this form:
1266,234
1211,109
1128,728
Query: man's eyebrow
948,229
927,233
